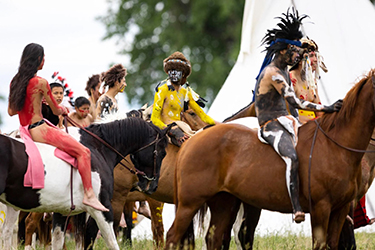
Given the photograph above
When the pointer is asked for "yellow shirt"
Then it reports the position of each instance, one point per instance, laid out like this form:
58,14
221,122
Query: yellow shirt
168,105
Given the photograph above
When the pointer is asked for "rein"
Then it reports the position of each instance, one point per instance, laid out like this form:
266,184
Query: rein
338,144
72,206
136,171
156,141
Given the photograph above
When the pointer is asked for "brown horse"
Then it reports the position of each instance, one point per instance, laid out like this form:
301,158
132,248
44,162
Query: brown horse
249,220
251,215
230,158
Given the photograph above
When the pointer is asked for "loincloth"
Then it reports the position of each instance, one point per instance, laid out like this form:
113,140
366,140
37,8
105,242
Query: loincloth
290,123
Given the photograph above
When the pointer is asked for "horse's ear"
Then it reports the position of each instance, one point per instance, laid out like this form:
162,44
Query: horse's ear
373,80
144,107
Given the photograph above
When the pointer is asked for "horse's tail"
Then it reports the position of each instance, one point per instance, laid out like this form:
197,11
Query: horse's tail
79,222
201,215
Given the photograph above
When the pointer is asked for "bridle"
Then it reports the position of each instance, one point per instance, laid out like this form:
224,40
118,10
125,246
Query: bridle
155,153
318,127
135,170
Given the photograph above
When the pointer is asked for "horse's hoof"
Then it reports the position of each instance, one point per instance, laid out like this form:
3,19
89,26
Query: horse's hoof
143,210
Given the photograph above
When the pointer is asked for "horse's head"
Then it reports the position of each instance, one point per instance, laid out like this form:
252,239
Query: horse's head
194,121
149,157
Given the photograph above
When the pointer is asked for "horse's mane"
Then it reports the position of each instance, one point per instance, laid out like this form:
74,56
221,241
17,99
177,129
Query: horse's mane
328,121
111,117
230,117
124,131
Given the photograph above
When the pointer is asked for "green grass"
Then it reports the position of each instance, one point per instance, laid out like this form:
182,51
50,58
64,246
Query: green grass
289,241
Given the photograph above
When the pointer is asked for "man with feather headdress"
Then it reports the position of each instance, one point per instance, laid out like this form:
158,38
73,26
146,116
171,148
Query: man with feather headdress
273,90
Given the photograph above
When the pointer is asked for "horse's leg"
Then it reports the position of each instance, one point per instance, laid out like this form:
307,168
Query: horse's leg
250,221
105,227
31,223
123,182
156,208
182,222
9,222
58,234
319,224
91,233
347,238
336,222
128,214
78,227
223,208
117,206
44,230
21,227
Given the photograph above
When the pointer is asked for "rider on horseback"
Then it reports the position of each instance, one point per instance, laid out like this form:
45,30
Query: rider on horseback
171,98
25,99
273,89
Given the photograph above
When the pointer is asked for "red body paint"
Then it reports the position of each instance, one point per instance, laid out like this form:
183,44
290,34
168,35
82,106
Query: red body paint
68,144
53,135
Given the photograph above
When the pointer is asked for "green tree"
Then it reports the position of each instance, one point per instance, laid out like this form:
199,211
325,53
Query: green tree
207,32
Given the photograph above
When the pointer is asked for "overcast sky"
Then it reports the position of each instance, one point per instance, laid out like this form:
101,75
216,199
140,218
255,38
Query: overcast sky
70,35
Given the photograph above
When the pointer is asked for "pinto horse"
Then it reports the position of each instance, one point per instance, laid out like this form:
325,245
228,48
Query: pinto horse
229,158
128,136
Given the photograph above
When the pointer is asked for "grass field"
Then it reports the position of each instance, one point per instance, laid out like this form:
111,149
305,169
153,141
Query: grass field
365,241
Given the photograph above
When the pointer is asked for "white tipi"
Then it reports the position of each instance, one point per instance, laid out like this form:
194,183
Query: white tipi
343,31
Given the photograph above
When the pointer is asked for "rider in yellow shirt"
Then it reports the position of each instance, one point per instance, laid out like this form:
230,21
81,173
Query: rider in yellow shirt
172,98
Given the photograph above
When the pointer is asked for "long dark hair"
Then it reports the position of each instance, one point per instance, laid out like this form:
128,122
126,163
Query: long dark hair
31,59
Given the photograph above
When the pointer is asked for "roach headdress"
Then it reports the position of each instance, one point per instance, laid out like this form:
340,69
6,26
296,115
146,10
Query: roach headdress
287,32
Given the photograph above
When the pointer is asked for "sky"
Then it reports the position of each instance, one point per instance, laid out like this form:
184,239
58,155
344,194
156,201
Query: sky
72,41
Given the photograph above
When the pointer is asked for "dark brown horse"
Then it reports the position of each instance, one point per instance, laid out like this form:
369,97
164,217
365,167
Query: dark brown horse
124,181
230,159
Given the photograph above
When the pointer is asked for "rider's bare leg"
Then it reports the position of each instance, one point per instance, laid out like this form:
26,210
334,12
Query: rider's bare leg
58,138
282,141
